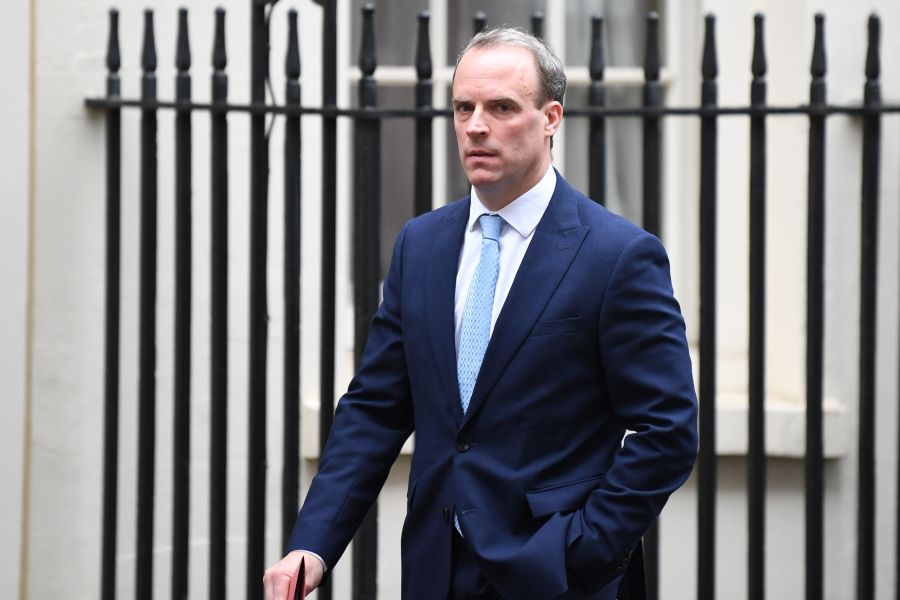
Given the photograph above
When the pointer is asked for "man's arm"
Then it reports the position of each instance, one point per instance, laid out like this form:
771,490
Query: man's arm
647,368
372,421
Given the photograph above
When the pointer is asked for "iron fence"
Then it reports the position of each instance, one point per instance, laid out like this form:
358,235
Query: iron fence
367,118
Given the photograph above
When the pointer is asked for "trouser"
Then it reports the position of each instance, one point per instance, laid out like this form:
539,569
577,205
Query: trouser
467,582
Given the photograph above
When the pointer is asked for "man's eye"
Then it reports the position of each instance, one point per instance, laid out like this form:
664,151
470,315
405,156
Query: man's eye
463,108
504,108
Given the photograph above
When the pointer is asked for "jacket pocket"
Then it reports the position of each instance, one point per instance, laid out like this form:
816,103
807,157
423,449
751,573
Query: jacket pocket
563,497
556,326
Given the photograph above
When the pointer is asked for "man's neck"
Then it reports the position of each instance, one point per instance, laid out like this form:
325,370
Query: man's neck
495,199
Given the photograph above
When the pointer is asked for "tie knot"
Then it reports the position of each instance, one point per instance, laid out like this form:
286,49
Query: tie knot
490,226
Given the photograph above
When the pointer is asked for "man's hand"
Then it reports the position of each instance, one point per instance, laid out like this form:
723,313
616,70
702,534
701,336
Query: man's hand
277,578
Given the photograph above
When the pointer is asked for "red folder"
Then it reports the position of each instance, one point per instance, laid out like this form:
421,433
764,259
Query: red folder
297,590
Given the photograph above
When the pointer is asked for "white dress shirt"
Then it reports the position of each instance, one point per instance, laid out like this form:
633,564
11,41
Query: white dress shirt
520,219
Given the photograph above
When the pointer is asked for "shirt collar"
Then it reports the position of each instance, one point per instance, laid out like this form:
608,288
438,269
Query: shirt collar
522,214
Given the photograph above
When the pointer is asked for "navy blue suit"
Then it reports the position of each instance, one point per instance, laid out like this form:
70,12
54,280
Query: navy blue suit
590,343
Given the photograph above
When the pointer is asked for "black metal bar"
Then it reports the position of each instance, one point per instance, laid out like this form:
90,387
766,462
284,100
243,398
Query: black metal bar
651,138
147,323
706,468
652,223
219,320
290,481
597,132
329,219
580,111
258,320
479,22
865,565
815,310
756,451
329,228
181,452
366,272
424,186
111,321
537,23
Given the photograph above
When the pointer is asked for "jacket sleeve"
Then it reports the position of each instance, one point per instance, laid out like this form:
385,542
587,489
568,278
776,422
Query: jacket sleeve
372,421
647,369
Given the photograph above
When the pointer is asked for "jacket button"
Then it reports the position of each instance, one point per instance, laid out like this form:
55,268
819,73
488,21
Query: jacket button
462,445
445,512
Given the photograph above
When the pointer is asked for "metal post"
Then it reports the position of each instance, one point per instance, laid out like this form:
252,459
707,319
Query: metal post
756,468
218,318
865,565
651,137
111,343
182,355
537,24
706,469
329,229
597,132
259,211
147,322
366,271
479,22
815,294
290,479
424,92
651,217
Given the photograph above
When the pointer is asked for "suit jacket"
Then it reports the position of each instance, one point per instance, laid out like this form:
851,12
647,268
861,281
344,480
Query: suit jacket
590,343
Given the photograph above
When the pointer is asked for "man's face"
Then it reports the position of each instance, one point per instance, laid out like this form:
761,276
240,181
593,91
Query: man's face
502,132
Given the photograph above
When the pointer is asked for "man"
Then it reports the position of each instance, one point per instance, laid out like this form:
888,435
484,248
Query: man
520,347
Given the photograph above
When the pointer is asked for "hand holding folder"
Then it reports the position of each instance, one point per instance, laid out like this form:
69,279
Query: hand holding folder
297,589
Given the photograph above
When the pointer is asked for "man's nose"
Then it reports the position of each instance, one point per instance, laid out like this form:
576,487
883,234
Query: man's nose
476,125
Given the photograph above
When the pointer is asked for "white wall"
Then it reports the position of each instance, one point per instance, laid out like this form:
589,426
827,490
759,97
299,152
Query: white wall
14,208
67,402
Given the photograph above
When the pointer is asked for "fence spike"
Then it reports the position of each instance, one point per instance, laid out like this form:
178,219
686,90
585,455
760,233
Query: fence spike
423,184
113,57
596,60
819,65
597,124
710,67
759,66
868,320
479,22
651,58
873,61
218,418
219,57
537,23
148,56
183,52
292,62
367,62
423,47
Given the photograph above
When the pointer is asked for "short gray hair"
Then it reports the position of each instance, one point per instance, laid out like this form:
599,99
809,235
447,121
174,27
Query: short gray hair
551,73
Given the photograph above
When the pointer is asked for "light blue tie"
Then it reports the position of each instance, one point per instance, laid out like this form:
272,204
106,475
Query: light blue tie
476,322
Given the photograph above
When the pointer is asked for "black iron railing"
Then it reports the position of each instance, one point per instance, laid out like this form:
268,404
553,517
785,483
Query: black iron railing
367,119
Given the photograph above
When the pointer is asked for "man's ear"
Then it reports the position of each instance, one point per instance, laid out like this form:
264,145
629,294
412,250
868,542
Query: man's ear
553,111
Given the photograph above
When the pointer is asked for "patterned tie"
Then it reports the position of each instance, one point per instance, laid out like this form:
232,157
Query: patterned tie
476,322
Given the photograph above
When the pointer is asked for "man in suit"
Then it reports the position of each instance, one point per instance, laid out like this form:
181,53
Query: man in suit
524,329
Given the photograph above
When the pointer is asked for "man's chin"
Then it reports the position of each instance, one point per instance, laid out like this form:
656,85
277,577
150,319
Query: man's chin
483,180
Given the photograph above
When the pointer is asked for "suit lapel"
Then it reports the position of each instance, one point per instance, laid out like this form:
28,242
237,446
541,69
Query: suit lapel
557,240
440,292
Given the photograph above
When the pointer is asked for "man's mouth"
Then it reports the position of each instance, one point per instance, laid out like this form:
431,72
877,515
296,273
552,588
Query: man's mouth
479,153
